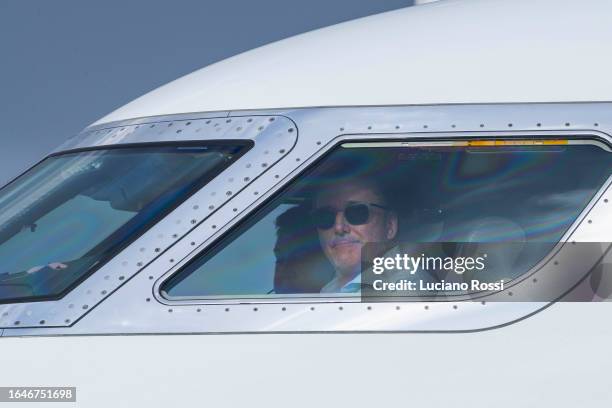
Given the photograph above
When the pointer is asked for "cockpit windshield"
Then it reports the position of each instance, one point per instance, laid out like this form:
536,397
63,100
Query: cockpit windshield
74,211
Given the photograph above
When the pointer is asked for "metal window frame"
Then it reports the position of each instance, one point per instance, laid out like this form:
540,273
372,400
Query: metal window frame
261,132
135,307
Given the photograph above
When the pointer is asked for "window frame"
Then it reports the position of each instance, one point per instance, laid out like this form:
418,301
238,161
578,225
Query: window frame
254,210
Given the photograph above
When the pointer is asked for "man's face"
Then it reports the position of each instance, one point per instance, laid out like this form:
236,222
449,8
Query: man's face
342,242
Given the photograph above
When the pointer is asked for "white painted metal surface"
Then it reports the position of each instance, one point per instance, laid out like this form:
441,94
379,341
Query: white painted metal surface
557,359
453,51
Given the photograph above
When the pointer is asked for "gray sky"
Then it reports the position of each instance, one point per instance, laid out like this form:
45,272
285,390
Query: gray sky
66,63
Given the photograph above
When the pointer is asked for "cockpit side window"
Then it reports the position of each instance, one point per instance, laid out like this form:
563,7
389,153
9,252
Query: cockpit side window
74,211
309,240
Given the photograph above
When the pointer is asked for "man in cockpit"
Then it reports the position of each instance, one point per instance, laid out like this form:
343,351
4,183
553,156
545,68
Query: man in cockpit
347,217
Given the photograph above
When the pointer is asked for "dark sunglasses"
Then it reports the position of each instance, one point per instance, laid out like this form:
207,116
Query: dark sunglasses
355,214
